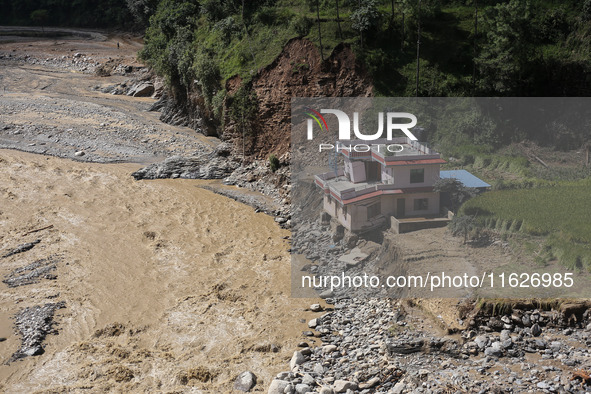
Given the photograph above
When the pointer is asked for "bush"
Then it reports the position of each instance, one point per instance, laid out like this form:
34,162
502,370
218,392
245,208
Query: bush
215,10
274,163
462,225
586,10
207,73
228,28
301,25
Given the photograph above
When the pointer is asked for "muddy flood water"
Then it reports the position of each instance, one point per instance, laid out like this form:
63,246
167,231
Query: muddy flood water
167,286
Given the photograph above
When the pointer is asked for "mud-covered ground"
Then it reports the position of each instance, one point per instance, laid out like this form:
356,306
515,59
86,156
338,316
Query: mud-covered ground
51,102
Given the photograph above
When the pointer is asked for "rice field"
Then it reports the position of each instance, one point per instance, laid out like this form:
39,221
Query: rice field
562,213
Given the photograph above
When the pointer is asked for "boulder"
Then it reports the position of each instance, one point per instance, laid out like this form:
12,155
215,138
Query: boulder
142,89
278,386
297,359
214,165
245,381
341,386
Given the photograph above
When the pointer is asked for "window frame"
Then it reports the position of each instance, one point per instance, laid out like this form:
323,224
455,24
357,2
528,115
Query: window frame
422,175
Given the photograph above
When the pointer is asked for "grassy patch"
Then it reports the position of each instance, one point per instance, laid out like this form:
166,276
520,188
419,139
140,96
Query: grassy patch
560,212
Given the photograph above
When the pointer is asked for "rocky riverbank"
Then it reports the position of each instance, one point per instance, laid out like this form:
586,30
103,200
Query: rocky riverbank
383,346
257,185
370,345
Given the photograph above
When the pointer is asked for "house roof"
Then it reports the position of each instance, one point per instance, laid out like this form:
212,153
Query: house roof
465,177
414,162
382,192
386,162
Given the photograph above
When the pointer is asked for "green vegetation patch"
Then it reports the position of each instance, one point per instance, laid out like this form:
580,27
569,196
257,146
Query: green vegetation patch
560,212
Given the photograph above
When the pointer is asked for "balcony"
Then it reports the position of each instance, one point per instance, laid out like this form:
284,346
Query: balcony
346,191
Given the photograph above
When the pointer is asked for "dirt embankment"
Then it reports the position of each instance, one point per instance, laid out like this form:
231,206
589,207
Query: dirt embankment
298,71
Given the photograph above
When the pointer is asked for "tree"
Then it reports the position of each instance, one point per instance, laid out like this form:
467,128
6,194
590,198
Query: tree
142,10
168,41
40,17
339,21
462,225
243,109
475,46
508,46
586,14
207,73
458,193
365,17
319,29
421,9
418,49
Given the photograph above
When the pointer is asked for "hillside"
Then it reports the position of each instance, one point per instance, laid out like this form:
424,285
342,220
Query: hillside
217,56
212,52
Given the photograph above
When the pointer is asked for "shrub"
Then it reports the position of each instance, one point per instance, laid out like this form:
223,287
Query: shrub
302,24
207,73
274,163
228,28
462,225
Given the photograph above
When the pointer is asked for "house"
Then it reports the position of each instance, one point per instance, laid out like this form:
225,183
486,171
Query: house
375,184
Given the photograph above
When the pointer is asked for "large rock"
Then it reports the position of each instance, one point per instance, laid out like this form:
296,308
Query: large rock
405,347
297,359
341,386
214,165
481,341
494,350
142,89
329,349
398,388
278,386
245,381
302,388
370,383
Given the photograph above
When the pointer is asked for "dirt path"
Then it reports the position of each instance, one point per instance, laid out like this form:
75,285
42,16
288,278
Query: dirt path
167,286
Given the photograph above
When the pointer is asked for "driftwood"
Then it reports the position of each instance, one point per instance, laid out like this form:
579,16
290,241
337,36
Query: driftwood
21,248
38,229
584,376
540,160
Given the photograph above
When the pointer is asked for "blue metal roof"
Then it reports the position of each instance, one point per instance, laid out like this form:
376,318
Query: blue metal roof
465,177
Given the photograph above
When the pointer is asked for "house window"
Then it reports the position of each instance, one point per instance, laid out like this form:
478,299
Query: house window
417,175
373,210
421,204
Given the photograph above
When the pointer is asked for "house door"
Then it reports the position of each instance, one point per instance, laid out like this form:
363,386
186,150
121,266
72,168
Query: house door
400,207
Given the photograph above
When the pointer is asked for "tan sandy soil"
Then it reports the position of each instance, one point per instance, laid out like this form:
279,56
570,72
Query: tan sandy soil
197,281
99,45
56,108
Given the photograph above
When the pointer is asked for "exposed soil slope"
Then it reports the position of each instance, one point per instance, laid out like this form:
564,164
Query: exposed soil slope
298,72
